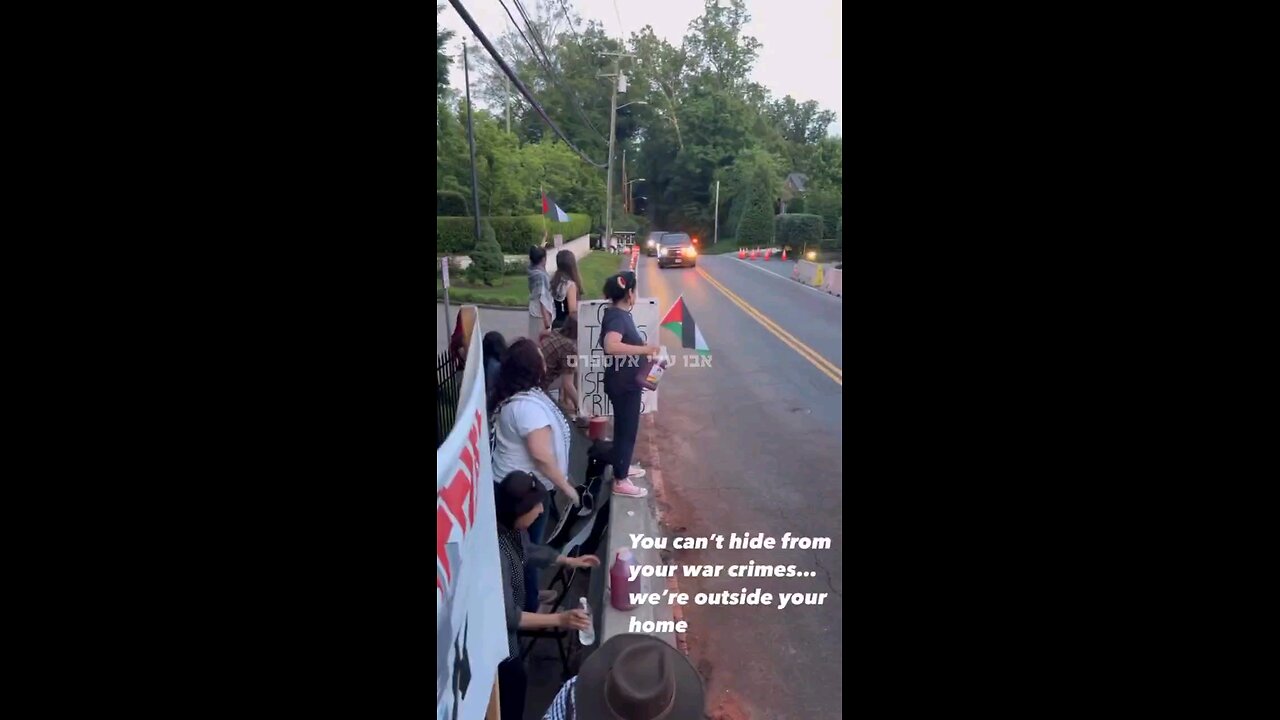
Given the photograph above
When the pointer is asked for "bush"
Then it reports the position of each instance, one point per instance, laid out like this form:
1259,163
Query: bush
829,244
756,228
514,234
515,267
827,203
486,260
451,204
797,230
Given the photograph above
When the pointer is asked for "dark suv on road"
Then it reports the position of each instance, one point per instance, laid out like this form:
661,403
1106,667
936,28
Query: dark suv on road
677,249
651,245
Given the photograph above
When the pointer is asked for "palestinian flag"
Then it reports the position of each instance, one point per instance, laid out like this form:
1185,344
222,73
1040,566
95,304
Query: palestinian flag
552,210
679,321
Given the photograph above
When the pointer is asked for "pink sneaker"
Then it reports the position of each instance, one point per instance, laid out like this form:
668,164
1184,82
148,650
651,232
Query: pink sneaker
625,488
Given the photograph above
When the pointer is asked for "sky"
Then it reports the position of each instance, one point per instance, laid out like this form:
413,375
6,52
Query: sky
800,53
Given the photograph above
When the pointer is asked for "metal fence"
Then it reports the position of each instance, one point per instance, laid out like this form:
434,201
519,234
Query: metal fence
448,387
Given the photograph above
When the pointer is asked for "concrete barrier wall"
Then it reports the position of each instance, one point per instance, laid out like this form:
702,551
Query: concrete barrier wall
805,272
580,247
834,282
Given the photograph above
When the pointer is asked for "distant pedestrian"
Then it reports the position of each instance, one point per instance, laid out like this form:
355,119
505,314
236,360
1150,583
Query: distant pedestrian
542,311
621,341
566,288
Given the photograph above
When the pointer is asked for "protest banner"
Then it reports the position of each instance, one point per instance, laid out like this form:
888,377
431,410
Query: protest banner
471,625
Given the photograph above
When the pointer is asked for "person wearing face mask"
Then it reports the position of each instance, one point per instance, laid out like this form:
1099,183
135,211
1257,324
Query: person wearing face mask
621,341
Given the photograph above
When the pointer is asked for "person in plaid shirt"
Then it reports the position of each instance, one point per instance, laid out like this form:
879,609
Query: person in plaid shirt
558,347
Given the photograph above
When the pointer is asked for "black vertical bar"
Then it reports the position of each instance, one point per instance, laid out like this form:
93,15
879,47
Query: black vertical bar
471,140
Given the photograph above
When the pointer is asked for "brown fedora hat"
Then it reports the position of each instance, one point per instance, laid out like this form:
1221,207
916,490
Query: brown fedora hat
638,677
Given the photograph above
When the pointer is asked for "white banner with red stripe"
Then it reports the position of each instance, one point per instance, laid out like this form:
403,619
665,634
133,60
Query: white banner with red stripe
471,627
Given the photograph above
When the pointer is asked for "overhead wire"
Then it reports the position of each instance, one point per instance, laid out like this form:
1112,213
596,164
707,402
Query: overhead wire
555,78
570,21
515,80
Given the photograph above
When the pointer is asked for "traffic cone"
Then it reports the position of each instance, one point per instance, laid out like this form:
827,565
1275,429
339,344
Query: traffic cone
742,253
767,252
784,253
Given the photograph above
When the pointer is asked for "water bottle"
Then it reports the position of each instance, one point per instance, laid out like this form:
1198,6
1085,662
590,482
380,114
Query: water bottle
587,637
651,371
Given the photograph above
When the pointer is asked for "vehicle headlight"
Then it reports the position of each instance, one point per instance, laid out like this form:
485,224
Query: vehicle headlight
650,243
663,251
691,252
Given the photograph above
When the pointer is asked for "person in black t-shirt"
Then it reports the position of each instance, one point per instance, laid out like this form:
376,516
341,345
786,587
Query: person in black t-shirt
623,347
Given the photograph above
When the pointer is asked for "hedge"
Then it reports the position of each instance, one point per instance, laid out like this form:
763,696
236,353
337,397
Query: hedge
798,230
515,234
756,228
451,204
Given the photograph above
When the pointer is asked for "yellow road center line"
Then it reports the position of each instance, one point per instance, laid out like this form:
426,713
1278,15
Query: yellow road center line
826,366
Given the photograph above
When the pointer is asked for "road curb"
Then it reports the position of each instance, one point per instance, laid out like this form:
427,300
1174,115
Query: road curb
659,495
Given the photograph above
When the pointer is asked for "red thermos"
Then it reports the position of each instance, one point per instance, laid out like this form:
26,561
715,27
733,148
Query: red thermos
620,586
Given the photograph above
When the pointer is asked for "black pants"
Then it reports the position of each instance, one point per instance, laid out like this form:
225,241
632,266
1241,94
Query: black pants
512,683
626,423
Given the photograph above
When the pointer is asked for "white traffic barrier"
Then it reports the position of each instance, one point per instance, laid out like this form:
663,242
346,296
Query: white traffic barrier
834,282
805,272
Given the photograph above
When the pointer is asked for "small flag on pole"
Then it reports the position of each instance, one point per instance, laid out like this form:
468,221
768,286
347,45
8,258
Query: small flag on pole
679,321
552,210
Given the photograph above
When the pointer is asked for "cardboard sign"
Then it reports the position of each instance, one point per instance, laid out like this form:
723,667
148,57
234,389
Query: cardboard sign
592,398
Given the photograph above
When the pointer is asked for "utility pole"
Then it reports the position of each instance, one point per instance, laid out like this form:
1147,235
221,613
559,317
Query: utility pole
626,186
471,140
618,79
716,237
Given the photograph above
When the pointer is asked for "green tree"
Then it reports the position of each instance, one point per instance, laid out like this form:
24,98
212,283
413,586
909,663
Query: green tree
486,260
442,60
825,202
756,228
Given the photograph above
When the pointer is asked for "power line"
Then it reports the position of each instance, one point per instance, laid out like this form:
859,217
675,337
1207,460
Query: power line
622,34
522,36
520,86
550,66
570,21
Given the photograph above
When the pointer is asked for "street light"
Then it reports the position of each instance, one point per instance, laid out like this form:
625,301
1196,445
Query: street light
633,102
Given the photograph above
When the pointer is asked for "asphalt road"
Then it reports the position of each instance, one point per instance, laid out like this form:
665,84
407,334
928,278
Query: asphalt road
752,444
